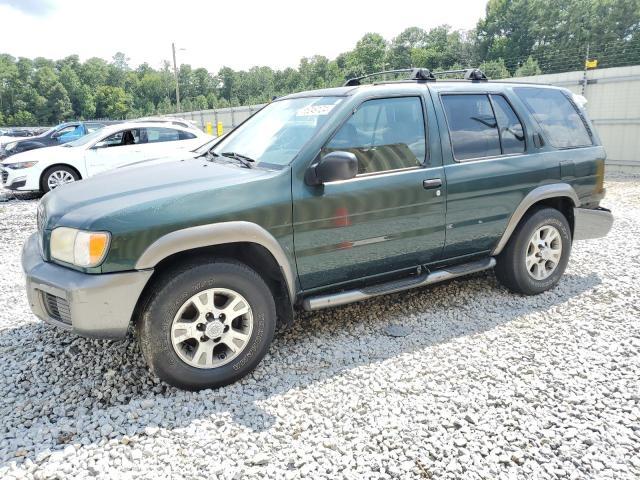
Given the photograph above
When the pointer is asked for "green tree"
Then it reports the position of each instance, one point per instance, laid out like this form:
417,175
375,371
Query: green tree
368,56
22,118
401,47
495,69
318,72
94,73
58,104
556,33
112,102
528,68
165,106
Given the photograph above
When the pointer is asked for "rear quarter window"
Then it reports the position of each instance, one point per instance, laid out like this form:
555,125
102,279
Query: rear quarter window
560,120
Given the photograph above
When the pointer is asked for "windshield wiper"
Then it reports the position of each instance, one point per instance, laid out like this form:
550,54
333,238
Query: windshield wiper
246,161
209,154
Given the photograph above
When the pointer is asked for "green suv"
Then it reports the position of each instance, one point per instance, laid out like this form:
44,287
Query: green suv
319,199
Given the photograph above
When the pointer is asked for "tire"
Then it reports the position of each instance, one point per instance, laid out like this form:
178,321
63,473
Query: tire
525,268
57,175
175,311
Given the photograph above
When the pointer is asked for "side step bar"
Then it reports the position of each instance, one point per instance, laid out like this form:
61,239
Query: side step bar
350,296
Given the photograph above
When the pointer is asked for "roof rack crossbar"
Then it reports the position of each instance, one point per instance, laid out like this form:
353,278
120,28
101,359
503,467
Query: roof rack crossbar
416,74
423,74
473,74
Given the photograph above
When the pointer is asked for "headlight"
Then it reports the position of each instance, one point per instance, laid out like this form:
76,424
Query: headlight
19,165
10,145
78,247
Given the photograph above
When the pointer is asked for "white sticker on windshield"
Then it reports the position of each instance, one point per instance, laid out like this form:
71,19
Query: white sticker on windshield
314,110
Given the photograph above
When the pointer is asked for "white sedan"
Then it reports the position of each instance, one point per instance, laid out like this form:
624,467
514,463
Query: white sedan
110,147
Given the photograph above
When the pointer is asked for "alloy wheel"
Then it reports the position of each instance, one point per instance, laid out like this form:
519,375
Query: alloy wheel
544,252
212,328
59,177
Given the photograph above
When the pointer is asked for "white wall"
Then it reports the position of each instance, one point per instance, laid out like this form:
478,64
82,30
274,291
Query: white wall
613,96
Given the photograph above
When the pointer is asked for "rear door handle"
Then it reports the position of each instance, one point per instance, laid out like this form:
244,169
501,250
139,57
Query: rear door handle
432,183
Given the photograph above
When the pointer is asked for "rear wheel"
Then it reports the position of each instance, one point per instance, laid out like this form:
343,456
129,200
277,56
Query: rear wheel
537,253
56,176
208,325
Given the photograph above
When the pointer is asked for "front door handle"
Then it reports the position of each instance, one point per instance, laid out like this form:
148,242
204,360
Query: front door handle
432,183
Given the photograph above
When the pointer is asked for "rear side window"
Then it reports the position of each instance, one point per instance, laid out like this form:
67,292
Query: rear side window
511,131
186,135
472,125
557,116
384,134
124,138
160,134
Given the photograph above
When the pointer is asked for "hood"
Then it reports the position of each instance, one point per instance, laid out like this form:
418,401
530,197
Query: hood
118,199
6,139
163,158
51,153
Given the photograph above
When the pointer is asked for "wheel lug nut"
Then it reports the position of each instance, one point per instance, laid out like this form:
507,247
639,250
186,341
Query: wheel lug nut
204,338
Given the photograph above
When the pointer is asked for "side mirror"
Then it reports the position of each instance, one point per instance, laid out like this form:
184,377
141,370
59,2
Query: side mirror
334,166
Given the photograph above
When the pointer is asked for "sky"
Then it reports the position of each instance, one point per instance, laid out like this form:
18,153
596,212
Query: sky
211,34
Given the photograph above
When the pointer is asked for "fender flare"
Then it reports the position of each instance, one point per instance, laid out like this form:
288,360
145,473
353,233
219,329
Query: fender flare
554,190
218,234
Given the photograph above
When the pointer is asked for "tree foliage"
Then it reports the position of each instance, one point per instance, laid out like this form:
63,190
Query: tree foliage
514,38
528,68
556,33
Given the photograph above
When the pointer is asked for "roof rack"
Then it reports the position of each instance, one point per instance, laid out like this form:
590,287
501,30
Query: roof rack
473,74
419,74
423,75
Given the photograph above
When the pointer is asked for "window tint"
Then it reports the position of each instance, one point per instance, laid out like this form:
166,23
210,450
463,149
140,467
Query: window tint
186,135
126,137
160,134
556,115
384,134
511,131
68,129
472,125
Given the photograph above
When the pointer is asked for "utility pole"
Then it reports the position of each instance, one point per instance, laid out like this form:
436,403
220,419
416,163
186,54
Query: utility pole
584,77
175,72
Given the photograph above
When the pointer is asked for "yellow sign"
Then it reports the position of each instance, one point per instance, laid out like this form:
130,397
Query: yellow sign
591,63
209,128
219,129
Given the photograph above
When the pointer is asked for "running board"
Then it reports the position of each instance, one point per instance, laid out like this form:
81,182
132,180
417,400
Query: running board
350,296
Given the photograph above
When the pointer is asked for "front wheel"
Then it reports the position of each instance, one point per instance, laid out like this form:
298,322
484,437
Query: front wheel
537,253
56,176
207,325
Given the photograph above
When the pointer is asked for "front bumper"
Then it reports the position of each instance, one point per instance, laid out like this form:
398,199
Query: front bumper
97,306
15,179
591,223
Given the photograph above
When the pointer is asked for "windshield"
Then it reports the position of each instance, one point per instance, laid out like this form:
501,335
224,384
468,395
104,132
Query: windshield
85,140
276,133
206,146
48,132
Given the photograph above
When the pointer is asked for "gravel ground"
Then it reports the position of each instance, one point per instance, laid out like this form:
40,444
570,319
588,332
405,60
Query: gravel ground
478,383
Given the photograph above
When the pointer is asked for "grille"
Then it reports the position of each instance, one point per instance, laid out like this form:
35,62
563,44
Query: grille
5,175
57,308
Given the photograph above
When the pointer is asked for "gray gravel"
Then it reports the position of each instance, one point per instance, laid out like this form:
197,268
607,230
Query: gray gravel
480,383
